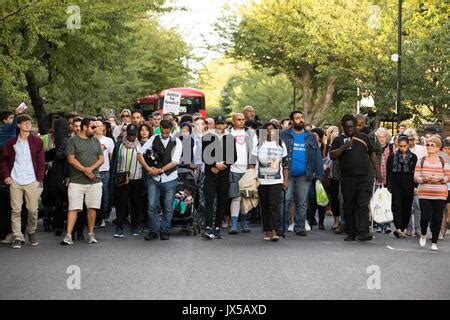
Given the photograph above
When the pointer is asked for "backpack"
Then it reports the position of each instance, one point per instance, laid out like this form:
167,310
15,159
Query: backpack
422,161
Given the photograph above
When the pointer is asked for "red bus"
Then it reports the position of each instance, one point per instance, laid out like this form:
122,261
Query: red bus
148,105
192,101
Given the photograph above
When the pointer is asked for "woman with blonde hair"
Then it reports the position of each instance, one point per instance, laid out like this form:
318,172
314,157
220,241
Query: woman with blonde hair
432,174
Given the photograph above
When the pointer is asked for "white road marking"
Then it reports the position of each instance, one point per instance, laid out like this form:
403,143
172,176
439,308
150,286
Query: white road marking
407,250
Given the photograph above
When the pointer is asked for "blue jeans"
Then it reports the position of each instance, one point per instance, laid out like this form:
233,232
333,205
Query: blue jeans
155,189
298,190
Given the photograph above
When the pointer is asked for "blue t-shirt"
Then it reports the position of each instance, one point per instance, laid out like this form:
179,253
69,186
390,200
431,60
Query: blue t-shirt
298,165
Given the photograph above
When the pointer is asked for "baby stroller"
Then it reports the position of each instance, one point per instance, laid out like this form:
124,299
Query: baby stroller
186,220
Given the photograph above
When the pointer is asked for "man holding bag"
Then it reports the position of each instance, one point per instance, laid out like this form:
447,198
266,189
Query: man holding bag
355,152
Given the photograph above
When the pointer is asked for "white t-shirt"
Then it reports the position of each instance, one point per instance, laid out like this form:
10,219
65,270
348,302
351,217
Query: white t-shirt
107,148
241,164
270,165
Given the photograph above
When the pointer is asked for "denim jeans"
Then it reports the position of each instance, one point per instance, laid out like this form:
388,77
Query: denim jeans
155,189
298,190
415,213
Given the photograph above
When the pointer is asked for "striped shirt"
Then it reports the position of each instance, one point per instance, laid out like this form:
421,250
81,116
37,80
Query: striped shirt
435,191
127,161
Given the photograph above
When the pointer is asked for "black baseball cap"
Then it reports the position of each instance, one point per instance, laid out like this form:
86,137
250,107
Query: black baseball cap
220,119
132,130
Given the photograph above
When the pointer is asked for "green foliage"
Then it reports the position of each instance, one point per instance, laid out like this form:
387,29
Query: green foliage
118,54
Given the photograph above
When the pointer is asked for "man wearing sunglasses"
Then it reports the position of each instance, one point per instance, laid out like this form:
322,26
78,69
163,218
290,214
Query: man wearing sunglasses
85,156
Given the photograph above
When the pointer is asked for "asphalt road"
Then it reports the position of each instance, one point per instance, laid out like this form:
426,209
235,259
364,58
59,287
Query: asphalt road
243,266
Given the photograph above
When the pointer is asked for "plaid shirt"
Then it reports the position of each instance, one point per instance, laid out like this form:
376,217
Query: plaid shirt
384,157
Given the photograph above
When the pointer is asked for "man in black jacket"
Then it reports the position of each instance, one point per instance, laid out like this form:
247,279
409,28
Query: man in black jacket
219,153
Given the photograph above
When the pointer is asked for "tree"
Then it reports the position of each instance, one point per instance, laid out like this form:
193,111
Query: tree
38,49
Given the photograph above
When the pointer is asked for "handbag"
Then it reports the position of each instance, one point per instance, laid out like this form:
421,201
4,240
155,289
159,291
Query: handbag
380,206
121,179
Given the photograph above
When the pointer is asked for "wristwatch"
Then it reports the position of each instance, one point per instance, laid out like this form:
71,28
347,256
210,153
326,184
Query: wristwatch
162,170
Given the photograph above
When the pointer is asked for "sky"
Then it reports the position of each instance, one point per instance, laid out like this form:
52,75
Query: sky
197,23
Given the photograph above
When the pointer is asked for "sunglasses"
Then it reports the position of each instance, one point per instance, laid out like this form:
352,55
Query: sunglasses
93,127
430,145
125,116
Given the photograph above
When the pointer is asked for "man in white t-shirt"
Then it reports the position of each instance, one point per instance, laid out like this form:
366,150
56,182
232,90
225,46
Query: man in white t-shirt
107,148
245,140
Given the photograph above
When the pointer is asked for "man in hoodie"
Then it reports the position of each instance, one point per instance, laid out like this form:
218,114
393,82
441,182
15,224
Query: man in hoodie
219,153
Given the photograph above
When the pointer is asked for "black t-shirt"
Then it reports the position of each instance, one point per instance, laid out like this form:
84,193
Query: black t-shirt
354,161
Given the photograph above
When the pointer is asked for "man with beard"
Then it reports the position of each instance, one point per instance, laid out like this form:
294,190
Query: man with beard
304,164
85,156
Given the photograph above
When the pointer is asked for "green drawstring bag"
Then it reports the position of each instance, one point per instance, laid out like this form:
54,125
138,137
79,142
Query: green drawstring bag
321,194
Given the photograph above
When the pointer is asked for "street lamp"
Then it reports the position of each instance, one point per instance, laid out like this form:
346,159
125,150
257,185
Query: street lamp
398,58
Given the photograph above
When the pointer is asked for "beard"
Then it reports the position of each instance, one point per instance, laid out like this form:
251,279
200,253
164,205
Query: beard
299,126
89,134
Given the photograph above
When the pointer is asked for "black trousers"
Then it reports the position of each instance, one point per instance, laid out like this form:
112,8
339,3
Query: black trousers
402,189
356,191
133,192
269,197
216,185
431,212
334,195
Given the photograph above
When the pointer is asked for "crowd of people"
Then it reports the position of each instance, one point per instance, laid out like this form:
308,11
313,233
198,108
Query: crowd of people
86,167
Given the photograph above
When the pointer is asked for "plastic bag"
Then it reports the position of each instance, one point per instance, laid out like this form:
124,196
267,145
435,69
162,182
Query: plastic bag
380,206
321,194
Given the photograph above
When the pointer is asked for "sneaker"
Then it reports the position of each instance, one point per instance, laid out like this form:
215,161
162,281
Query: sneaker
409,232
119,233
423,241
441,236
17,244
135,232
232,231
246,230
434,247
208,234
151,236
388,230
32,239
91,238
291,228
350,238
103,224
67,241
379,229
217,233
164,236
301,233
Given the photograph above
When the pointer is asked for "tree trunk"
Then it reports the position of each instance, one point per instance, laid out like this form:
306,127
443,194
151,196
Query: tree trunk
37,102
323,106
308,104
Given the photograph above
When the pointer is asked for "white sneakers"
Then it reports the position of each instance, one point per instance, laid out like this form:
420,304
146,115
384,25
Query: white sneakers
423,241
291,228
434,247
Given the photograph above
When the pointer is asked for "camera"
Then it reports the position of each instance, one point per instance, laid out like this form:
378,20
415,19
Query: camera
152,158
